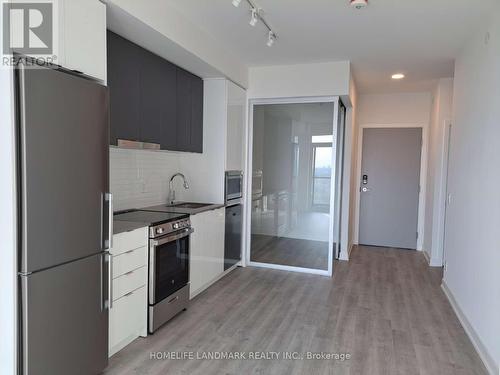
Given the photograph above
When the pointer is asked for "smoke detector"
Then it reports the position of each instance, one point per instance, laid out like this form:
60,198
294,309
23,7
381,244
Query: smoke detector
359,4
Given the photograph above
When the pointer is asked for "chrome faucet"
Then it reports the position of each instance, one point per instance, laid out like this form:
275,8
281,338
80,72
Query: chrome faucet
171,192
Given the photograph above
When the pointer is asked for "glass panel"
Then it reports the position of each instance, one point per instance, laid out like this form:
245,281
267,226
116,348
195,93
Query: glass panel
233,186
292,167
321,192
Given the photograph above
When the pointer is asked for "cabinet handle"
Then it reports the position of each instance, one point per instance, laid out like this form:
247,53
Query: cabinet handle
129,252
128,294
128,273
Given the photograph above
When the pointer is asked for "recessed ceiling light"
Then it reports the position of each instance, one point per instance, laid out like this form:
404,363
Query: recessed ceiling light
236,3
398,76
359,4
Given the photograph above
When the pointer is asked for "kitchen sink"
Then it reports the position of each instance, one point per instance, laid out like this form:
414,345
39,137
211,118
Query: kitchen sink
191,205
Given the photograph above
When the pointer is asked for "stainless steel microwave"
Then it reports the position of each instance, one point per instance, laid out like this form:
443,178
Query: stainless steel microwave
234,185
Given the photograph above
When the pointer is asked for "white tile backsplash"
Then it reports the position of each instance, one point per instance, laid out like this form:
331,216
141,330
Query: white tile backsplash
139,178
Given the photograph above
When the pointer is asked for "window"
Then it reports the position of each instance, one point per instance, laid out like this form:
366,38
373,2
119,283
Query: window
321,170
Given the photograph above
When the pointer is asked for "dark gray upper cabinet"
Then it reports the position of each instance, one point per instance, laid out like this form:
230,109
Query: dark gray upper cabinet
197,115
124,84
184,115
158,102
153,100
189,111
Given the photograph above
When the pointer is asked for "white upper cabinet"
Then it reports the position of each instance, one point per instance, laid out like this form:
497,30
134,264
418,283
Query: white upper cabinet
82,30
236,112
73,35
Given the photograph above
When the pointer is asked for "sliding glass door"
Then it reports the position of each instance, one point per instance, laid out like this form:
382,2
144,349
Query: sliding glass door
293,163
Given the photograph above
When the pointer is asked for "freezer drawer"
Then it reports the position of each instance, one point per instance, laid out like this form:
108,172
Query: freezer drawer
64,324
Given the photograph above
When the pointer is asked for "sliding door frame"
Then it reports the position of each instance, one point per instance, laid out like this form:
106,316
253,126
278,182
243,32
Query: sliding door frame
248,183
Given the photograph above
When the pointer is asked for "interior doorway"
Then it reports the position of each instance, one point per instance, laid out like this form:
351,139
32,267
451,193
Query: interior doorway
293,158
390,187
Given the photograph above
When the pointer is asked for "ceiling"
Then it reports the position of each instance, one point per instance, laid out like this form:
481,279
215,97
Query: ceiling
420,38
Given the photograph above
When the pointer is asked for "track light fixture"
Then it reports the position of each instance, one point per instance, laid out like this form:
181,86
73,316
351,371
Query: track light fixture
254,18
270,39
257,14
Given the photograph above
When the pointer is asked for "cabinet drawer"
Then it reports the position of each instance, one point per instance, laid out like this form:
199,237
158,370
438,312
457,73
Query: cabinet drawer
128,261
127,319
129,282
126,241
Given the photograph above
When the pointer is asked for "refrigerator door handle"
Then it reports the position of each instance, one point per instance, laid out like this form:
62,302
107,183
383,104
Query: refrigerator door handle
109,261
109,241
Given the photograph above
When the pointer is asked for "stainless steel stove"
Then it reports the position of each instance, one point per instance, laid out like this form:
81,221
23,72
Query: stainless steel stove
168,290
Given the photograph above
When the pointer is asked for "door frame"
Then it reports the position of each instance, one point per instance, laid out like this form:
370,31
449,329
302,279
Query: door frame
423,176
440,204
248,183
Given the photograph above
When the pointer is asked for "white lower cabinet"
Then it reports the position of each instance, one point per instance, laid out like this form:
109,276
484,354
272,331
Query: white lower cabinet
206,260
126,320
128,312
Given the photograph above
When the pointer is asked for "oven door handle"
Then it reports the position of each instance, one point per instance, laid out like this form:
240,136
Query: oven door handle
176,236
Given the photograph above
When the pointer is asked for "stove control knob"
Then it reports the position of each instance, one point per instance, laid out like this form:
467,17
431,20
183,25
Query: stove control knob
176,226
159,230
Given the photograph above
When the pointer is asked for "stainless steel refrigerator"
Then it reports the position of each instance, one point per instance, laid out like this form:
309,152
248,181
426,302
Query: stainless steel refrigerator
65,221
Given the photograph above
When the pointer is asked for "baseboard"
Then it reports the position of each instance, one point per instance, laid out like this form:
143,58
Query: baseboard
487,359
427,258
435,262
432,262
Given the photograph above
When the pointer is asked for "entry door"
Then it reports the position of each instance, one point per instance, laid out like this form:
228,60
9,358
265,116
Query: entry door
390,179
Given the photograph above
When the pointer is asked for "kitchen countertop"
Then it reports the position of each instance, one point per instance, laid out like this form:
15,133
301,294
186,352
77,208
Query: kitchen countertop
183,210
126,226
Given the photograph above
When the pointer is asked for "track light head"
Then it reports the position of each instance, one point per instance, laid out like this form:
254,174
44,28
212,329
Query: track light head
254,18
271,39
236,3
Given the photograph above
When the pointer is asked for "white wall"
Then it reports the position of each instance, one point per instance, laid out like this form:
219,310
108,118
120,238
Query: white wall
401,108
350,175
472,248
8,259
288,81
140,178
436,177
389,109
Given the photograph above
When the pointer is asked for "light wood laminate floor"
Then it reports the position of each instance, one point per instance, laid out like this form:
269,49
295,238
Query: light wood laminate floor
289,251
385,307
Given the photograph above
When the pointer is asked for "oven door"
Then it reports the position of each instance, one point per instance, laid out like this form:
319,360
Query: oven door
168,264
234,185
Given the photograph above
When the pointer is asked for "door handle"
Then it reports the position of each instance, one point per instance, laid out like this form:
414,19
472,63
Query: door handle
109,261
365,189
109,242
